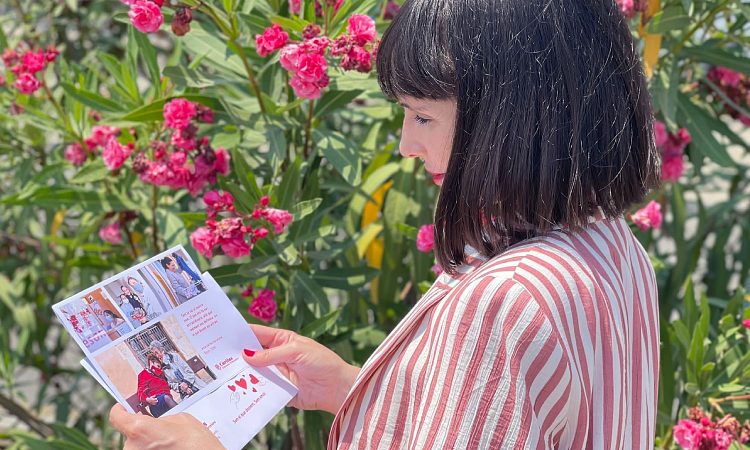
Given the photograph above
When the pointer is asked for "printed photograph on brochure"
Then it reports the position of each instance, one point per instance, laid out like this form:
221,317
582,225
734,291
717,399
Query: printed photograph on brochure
155,369
95,319
174,278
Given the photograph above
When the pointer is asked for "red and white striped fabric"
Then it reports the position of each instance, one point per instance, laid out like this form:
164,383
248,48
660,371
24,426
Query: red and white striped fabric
553,344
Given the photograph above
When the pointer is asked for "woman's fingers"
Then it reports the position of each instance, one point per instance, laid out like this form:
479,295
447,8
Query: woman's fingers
270,337
123,421
275,355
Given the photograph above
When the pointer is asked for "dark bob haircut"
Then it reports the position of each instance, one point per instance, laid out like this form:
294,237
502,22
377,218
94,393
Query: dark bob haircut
553,115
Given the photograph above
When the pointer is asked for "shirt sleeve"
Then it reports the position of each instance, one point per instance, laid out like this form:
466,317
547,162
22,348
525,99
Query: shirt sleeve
504,380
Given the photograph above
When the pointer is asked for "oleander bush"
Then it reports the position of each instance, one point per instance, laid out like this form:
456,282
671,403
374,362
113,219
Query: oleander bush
253,133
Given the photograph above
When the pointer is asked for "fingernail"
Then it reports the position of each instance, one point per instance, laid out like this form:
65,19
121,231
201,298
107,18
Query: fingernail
249,352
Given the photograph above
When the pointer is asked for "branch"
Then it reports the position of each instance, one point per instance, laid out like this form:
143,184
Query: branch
26,417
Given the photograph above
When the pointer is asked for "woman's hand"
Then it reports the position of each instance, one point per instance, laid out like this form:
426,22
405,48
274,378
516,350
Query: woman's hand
322,377
179,432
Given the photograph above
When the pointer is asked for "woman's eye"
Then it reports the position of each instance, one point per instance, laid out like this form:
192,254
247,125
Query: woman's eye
421,120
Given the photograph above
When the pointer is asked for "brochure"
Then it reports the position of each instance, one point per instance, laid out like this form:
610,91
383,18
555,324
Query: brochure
162,339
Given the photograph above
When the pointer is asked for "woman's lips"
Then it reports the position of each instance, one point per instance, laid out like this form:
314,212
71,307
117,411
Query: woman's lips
437,178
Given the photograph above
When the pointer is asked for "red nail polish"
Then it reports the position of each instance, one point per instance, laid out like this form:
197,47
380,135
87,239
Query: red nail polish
249,352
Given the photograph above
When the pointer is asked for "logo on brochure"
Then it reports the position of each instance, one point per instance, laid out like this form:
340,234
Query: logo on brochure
226,362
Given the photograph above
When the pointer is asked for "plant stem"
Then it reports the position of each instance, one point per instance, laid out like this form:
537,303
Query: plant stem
154,224
130,241
251,78
297,443
308,129
58,107
680,45
383,9
25,416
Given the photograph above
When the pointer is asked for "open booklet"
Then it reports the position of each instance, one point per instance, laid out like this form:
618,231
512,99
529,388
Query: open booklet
162,338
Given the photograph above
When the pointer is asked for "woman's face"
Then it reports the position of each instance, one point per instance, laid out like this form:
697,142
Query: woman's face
172,266
125,289
427,133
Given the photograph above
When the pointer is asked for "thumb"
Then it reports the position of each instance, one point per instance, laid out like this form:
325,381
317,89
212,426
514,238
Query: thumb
275,355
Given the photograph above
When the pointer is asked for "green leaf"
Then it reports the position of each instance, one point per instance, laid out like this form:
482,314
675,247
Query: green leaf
698,123
148,53
668,19
333,100
345,278
56,197
320,326
183,77
341,153
305,208
309,293
93,171
718,57
154,112
91,99
202,44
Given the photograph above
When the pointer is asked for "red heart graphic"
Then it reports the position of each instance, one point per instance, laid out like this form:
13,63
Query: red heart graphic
255,390
254,380
232,387
241,383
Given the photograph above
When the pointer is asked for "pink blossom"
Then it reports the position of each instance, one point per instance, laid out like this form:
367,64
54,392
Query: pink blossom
178,113
218,202
272,39
111,233
358,59
289,57
746,323
310,31
630,8
391,10
100,134
221,164
312,67
316,45
361,28
235,247
437,269
295,6
51,53
264,306
648,217
660,133
341,45
426,238
305,89
687,434
183,140
27,84
145,15
10,57
75,154
336,4
115,154
279,218
672,167
33,62
203,241
724,76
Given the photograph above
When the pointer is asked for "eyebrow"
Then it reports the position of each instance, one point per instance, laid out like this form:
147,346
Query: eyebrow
406,105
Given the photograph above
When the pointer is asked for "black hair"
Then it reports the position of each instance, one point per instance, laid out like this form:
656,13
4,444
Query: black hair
552,107
165,262
111,313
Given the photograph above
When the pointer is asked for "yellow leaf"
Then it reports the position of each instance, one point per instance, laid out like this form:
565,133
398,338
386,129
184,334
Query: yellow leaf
652,42
370,214
57,222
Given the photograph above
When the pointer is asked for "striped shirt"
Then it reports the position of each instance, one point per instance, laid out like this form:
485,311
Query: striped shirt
552,344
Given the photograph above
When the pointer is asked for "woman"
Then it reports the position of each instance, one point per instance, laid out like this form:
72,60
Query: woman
113,322
182,285
132,297
534,118
153,387
130,312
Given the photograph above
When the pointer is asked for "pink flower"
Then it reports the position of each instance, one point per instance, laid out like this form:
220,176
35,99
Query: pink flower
100,134
115,154
203,241
264,306
361,28
221,164
660,133
672,167
183,140
746,323
312,67
687,434
27,84
178,113
358,59
295,6
218,202
76,154
726,77
305,89
630,8
272,39
111,233
391,10
310,31
51,53
315,45
426,238
279,218
145,15
34,62
648,217
437,269
235,247
289,57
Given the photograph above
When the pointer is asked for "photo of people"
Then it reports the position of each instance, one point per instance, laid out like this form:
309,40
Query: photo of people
174,277
136,300
156,369
95,319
